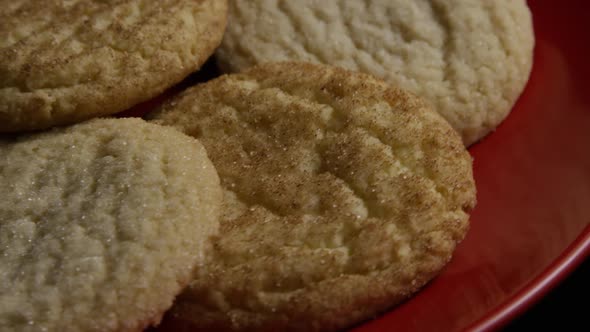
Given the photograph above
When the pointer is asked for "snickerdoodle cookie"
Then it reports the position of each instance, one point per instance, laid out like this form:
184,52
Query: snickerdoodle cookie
66,61
342,197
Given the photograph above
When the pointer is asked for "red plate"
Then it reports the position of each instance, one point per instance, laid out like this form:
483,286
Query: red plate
531,226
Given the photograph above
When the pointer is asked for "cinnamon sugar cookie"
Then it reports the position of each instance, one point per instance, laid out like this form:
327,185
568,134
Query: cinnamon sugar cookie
342,197
66,61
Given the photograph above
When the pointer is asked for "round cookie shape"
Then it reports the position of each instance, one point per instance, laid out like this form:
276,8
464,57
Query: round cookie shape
101,224
62,62
342,197
470,59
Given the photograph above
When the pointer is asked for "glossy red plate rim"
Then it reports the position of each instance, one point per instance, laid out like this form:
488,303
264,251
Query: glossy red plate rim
531,293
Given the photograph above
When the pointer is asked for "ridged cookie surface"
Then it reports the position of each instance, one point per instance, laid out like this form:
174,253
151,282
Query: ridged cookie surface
469,58
65,61
342,196
101,225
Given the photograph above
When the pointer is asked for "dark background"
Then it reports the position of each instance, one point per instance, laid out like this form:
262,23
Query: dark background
565,308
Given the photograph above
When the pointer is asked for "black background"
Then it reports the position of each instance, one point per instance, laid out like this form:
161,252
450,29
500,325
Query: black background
565,308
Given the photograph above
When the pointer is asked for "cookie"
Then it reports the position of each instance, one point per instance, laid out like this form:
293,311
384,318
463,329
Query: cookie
342,197
470,59
101,224
66,61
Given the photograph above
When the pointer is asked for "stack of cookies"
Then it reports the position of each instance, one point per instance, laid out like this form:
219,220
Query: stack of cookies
320,182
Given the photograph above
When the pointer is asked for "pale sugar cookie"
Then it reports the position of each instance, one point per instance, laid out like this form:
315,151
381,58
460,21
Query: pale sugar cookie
469,58
101,225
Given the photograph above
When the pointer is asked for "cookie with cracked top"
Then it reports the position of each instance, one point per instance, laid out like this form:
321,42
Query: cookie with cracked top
342,197
62,62
469,58
101,224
